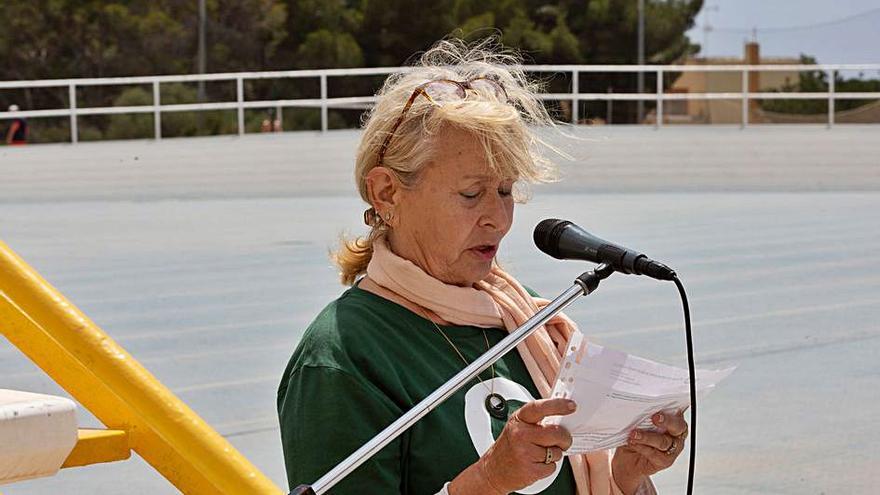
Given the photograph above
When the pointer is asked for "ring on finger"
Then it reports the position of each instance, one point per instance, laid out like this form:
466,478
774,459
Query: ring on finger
548,456
672,448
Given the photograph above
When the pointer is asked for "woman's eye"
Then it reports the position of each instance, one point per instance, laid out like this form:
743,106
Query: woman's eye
470,195
505,192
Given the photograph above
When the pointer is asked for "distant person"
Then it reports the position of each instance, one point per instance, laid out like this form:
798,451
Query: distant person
18,129
266,126
276,125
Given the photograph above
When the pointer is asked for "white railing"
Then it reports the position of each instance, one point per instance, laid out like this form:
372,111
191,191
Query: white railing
326,102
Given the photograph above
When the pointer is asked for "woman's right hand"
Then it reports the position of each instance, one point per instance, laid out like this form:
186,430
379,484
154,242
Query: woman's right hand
516,459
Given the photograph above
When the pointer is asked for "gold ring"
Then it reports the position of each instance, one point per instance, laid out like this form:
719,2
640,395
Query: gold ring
672,448
548,456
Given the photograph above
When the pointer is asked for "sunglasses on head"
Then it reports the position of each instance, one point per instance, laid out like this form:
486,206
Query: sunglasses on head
440,90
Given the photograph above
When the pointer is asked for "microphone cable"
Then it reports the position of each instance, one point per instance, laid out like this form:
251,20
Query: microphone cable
693,382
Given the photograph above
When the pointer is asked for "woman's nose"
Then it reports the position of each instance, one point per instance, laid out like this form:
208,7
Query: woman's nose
496,215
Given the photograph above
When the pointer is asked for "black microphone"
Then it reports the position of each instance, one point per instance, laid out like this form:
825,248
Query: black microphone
566,241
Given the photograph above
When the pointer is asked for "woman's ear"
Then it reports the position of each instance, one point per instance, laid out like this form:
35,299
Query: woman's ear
383,189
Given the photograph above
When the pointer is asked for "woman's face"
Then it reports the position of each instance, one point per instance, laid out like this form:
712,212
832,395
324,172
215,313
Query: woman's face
452,221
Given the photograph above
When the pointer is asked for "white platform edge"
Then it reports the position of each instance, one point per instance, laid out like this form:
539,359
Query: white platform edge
37,433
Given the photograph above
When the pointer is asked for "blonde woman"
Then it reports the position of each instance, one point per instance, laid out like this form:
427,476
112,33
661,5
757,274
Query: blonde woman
439,161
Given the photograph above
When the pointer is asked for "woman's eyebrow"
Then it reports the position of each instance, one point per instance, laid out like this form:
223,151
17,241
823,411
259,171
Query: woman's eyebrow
473,178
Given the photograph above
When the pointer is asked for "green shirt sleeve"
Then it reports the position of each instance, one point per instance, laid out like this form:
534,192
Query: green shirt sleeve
326,414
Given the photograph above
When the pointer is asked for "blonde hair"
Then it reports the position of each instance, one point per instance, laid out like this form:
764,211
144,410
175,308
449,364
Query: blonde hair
503,128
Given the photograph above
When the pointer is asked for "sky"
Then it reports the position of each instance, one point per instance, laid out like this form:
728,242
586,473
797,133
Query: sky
833,31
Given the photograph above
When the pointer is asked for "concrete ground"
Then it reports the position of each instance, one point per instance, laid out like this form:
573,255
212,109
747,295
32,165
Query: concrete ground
206,258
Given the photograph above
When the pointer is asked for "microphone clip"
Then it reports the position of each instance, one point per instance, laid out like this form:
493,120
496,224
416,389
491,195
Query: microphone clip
590,280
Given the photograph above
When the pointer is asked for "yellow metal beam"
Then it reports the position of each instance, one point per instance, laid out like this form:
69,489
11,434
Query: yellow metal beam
97,397
120,392
95,446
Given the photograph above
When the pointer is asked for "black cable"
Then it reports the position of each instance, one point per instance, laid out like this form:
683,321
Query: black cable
799,27
693,383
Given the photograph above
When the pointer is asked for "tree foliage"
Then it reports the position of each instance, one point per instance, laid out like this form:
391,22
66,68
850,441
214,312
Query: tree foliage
47,39
43,39
816,81
92,38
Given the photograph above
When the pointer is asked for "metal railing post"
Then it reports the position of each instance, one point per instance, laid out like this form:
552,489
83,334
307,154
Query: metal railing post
659,112
157,112
239,94
323,102
74,129
240,104
831,88
609,107
745,98
575,102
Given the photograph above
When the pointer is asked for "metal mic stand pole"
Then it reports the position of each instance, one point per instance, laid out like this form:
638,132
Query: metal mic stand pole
583,285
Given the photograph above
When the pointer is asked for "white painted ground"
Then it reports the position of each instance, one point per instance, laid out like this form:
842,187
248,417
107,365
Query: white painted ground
207,257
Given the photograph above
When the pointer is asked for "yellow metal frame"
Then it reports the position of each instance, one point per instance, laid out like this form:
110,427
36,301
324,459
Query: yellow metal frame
141,412
96,446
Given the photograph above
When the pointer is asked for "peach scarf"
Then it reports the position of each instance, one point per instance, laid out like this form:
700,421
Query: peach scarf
497,301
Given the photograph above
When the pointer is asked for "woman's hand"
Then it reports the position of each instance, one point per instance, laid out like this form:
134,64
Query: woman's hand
517,458
649,452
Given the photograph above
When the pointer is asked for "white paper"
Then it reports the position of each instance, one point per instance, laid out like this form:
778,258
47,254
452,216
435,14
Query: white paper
617,392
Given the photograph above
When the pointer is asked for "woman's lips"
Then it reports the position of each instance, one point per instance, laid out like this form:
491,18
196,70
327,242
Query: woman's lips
486,252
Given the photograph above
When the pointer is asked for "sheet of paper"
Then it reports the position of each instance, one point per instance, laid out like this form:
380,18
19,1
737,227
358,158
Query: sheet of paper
617,392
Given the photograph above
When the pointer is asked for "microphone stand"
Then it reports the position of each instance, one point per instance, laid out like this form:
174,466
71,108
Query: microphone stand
583,285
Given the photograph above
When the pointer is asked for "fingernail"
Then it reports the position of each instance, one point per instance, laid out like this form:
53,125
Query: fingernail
572,405
659,418
637,435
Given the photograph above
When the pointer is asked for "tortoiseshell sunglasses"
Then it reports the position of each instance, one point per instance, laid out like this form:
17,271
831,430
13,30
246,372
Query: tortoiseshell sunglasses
444,90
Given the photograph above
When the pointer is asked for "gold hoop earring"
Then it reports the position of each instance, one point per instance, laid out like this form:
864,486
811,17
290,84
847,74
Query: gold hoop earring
371,218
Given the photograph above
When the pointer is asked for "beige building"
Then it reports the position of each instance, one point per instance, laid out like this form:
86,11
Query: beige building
724,111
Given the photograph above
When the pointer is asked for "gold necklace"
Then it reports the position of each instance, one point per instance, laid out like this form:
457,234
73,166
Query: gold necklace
495,404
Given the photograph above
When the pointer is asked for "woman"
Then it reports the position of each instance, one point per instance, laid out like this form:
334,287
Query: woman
440,156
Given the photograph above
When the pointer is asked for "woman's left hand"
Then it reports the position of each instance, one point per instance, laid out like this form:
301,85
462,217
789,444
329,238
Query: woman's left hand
649,451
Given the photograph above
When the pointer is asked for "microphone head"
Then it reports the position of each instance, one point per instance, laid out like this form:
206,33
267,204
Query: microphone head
567,241
547,235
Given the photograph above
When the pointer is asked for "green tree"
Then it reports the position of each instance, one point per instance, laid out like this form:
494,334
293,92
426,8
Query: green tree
587,32
393,30
174,124
131,125
607,30
816,81
51,39
244,34
306,16
44,39
324,48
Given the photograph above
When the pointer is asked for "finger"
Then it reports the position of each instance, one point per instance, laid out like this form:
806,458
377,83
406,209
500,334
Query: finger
534,453
555,455
535,411
659,441
672,423
551,436
655,458
537,454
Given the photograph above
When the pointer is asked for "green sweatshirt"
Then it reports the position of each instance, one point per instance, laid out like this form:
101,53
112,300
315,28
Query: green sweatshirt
364,362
